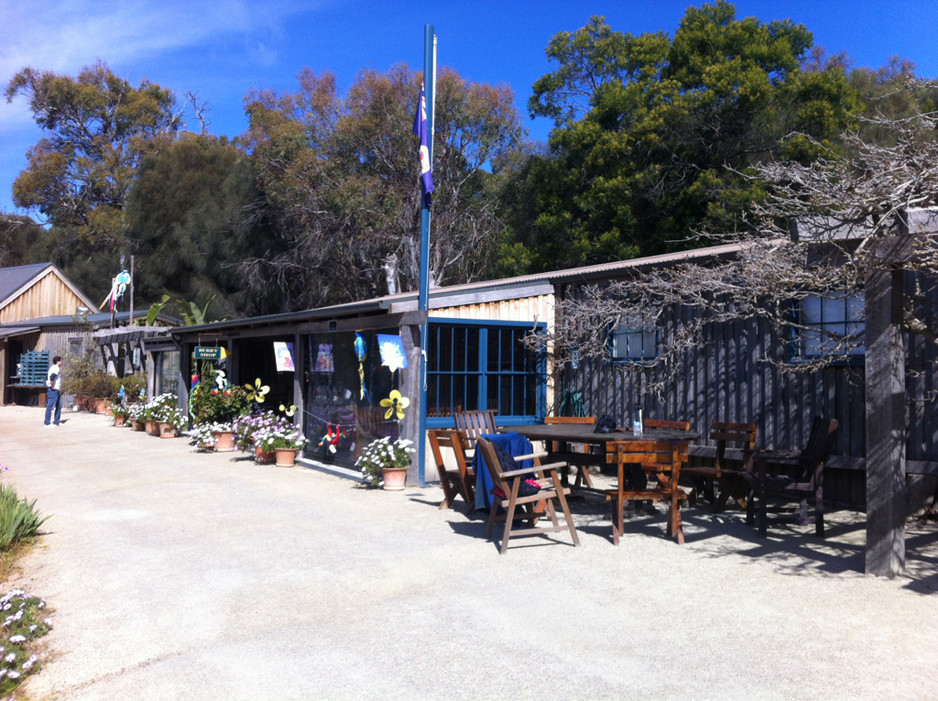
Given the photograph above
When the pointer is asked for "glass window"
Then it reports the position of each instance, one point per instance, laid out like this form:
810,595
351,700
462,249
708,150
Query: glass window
631,344
475,366
835,325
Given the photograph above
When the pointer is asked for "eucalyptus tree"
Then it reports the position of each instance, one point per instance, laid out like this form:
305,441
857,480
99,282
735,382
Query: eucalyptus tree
339,177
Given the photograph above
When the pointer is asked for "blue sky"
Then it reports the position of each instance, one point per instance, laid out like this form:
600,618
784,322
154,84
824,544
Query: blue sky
220,49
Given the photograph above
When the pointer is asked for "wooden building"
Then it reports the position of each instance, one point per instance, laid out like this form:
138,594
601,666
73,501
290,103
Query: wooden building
29,296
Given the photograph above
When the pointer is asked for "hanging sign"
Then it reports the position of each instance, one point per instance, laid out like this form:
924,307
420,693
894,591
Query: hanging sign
208,353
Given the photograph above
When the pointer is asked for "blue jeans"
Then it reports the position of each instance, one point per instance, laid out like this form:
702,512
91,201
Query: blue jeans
53,400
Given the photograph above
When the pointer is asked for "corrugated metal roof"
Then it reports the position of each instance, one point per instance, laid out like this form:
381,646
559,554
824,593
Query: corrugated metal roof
536,283
8,331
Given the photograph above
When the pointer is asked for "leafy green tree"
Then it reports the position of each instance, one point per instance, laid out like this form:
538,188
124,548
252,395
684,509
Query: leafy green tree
98,128
339,177
18,236
653,135
185,218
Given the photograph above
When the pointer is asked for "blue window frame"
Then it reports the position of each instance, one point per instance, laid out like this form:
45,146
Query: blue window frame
481,365
629,343
831,324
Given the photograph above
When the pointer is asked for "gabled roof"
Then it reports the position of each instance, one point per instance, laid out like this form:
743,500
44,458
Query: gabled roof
14,281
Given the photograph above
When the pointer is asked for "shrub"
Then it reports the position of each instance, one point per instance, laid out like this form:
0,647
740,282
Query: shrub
21,623
18,518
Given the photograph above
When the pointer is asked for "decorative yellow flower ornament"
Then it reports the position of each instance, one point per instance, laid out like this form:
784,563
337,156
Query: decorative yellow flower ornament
288,411
256,391
395,405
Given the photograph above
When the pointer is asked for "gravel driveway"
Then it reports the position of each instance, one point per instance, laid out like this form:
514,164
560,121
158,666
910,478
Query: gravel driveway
180,575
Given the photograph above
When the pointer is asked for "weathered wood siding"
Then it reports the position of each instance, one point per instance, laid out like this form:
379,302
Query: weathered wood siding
538,308
728,379
48,296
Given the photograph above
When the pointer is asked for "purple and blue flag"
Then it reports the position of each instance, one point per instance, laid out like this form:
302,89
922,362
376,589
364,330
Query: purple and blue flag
421,130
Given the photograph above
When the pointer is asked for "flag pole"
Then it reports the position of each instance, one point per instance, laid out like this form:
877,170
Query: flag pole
429,80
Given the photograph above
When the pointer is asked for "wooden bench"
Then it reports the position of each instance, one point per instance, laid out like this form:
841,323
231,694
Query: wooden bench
735,445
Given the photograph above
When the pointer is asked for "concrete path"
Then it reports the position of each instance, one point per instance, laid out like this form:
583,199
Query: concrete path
181,575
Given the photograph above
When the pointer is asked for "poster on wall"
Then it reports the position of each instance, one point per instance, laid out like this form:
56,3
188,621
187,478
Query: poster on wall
324,361
283,352
391,348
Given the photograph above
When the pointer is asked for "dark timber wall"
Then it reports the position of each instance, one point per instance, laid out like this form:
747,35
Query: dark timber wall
728,379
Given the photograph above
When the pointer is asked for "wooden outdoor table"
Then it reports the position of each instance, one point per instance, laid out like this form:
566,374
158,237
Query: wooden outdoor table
583,433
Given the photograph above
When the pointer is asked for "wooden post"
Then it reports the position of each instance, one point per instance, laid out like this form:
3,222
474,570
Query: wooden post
886,422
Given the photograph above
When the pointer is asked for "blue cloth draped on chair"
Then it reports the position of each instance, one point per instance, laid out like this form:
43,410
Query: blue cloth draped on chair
512,443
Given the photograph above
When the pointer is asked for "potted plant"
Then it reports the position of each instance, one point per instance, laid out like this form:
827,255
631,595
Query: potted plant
120,413
171,420
384,462
201,435
248,427
160,410
137,415
285,441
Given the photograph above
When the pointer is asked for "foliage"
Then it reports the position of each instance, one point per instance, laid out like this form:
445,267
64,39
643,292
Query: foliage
137,412
248,426
646,125
22,625
163,408
97,383
279,437
97,127
19,518
119,410
189,214
201,435
340,196
383,453
134,386
823,228
18,236
213,403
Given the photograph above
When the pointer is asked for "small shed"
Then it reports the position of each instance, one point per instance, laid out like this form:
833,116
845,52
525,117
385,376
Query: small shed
30,294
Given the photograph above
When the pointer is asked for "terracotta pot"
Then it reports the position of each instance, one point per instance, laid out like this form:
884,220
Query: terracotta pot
99,405
140,426
168,431
119,420
394,478
263,457
153,427
286,457
224,441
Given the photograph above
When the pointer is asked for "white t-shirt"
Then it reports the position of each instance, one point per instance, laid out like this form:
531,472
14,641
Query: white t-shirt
54,378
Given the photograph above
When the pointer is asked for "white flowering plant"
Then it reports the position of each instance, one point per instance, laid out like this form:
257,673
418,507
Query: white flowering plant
383,453
280,438
21,623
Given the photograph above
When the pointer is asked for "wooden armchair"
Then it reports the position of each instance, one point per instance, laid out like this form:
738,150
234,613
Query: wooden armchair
735,442
454,480
661,458
507,495
806,480
561,447
474,424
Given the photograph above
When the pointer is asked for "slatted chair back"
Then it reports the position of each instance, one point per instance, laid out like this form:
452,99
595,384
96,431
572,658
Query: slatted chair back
475,423
559,447
735,445
817,450
733,436
506,495
458,477
664,460
666,425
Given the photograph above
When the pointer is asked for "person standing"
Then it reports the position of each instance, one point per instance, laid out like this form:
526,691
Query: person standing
54,393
